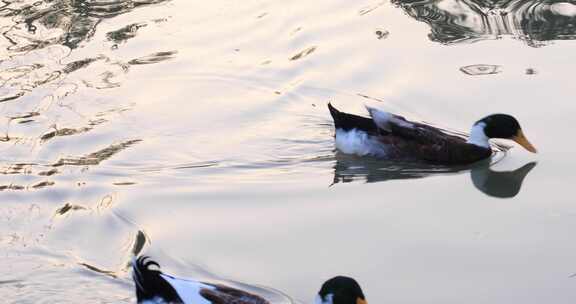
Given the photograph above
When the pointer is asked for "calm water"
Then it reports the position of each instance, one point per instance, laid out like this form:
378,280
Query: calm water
198,132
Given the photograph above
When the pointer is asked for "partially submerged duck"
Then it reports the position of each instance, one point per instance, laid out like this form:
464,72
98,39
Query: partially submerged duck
155,287
391,136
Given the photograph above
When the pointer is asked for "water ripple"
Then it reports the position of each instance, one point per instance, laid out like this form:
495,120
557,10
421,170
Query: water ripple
96,157
535,22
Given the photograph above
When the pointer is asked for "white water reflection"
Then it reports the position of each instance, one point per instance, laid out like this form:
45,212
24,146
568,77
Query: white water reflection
201,131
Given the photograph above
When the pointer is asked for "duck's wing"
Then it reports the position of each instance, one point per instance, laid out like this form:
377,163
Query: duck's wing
425,142
386,123
401,127
228,295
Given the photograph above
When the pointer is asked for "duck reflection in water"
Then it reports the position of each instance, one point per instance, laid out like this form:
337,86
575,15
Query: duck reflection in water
500,184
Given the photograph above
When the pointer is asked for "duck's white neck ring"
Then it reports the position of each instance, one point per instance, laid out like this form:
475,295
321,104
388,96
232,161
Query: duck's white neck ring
478,137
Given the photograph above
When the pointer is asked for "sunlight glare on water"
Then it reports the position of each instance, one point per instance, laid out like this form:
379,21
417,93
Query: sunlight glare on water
198,133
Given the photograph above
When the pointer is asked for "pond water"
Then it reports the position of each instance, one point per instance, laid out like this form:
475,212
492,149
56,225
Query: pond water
198,133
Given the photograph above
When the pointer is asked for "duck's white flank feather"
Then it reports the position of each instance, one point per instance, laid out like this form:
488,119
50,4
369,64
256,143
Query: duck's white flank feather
189,291
478,137
358,142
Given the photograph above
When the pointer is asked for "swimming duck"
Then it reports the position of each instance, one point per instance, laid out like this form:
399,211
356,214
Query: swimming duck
155,287
391,136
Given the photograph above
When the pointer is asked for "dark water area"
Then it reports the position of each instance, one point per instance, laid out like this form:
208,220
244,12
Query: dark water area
536,23
198,133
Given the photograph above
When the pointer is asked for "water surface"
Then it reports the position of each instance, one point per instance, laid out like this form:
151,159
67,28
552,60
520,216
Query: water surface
198,132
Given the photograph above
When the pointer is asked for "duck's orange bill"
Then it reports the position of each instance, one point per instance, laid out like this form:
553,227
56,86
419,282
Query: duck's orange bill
521,140
361,301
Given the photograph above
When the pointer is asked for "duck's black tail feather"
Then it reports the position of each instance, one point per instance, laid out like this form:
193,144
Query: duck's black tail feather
150,284
348,122
334,112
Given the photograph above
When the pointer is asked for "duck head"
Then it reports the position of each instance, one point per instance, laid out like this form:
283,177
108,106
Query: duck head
340,290
499,126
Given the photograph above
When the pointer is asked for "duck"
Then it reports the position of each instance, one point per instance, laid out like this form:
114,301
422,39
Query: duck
155,287
393,137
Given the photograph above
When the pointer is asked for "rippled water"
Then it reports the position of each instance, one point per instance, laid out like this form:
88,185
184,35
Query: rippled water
198,132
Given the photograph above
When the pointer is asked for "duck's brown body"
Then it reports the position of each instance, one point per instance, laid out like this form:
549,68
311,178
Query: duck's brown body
405,140
227,295
428,144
